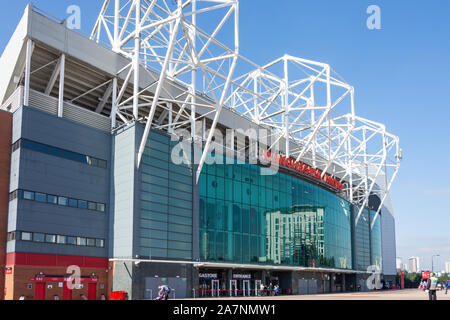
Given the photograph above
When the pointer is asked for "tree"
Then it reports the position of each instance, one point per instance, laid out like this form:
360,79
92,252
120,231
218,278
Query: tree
443,278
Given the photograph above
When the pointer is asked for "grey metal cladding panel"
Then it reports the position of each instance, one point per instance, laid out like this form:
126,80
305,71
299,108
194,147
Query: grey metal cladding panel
47,218
45,173
59,132
10,246
17,125
123,190
12,216
14,171
59,37
388,242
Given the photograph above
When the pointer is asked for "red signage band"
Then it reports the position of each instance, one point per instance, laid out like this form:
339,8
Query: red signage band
301,167
62,279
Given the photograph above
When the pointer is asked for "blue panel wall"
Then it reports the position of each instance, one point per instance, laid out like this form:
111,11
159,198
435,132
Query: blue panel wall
40,172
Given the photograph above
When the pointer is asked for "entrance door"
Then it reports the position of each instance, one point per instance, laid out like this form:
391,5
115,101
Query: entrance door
257,287
246,288
92,291
233,288
312,286
67,293
215,288
39,293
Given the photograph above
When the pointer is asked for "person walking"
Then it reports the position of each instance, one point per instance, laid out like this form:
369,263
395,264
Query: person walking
276,290
447,285
163,293
261,289
432,287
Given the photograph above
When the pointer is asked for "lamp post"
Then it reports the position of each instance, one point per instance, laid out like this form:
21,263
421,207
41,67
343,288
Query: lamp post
432,263
401,263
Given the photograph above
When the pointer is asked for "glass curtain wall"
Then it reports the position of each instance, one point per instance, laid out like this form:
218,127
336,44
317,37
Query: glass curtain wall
376,241
248,217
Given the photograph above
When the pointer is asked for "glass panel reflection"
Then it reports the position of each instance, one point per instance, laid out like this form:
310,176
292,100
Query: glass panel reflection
271,219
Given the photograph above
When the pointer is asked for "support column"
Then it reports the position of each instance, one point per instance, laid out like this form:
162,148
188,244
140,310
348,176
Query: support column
343,283
137,48
114,104
26,95
62,72
286,107
170,129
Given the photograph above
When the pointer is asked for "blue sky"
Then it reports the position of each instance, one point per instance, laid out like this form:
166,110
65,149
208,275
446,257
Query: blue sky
400,74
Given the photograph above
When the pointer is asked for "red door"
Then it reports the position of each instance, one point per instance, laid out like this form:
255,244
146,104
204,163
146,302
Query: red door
92,291
67,293
39,293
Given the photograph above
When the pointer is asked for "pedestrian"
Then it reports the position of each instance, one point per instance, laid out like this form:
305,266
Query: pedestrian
102,297
163,293
261,289
270,289
276,290
432,287
447,285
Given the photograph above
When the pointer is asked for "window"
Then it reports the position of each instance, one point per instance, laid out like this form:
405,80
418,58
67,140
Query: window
92,206
90,242
94,162
82,204
13,195
28,195
63,201
100,207
41,197
73,203
81,241
52,199
61,239
27,236
16,145
59,200
102,164
38,237
50,238
71,240
11,236
99,243
57,152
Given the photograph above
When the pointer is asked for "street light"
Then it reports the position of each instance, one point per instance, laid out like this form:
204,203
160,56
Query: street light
432,263
401,262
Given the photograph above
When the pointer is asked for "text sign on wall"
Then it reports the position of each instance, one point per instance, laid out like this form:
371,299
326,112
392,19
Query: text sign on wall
207,275
302,167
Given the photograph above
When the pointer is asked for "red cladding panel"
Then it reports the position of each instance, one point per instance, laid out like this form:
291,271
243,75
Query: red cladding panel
48,260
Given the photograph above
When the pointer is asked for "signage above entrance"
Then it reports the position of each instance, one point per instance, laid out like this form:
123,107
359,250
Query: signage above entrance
242,276
303,168
207,275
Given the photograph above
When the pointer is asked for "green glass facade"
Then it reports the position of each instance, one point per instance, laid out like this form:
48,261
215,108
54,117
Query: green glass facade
376,241
362,241
249,217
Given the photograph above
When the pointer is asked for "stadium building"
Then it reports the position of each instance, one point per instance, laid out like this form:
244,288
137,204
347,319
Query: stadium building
151,152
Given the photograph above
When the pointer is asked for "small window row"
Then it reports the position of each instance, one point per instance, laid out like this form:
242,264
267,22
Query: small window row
58,152
57,200
56,239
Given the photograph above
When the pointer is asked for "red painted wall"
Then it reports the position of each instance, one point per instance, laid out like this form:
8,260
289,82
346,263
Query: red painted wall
18,259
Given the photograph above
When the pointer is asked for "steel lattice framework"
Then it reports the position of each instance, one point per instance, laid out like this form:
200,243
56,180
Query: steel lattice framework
195,44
